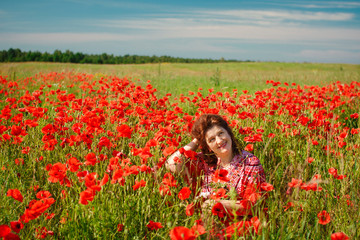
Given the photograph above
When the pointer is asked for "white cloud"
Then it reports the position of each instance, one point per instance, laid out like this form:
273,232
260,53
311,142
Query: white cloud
330,4
194,28
281,15
190,29
225,18
238,24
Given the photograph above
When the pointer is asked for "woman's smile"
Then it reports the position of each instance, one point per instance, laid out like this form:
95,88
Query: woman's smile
222,145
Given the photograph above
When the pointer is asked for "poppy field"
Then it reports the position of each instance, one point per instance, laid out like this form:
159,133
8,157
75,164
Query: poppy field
82,157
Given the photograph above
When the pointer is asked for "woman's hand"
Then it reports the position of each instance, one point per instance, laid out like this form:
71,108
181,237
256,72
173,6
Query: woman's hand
176,166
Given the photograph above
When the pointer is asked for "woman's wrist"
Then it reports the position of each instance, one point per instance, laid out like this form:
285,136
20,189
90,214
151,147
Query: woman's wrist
193,145
195,141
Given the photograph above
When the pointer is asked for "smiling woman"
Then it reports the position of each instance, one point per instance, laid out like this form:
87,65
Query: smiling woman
224,167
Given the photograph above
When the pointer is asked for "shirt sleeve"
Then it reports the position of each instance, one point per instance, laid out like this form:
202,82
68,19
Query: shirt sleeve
253,173
254,170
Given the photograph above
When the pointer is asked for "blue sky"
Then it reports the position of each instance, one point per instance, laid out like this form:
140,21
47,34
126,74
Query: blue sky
290,31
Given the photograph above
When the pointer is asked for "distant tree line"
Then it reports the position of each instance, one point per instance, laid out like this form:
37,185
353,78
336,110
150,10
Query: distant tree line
16,55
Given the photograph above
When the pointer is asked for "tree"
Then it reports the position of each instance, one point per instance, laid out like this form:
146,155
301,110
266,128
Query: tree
16,55
57,56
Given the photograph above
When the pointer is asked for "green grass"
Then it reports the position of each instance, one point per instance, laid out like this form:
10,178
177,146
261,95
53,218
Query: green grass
180,78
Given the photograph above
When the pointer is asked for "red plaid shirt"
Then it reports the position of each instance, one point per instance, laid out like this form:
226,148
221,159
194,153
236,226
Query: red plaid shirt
244,169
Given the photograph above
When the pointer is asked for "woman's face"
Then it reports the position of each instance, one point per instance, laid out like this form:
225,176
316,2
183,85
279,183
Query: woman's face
219,141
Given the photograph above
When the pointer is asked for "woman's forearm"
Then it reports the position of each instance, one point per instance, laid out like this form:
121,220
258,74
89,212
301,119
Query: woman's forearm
175,165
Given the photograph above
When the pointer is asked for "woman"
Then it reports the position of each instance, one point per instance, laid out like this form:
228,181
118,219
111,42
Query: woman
220,151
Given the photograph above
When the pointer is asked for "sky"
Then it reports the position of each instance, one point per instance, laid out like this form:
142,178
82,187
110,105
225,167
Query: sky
284,31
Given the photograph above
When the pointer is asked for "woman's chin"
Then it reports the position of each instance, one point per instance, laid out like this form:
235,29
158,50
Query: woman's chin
224,151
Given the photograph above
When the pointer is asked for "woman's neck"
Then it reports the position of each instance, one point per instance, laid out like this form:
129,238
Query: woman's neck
225,160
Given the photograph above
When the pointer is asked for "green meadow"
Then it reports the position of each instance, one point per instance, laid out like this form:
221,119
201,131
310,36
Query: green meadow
86,153
177,78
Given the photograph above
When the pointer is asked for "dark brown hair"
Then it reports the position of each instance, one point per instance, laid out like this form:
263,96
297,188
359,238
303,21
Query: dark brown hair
202,125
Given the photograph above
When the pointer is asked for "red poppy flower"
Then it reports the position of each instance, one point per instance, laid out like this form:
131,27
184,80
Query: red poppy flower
354,116
11,236
16,194
164,190
57,173
189,154
184,193
4,230
340,177
169,180
220,175
152,143
254,138
6,136
310,160
91,182
86,196
355,131
118,176
19,161
220,193
324,217
341,144
169,150
36,208
25,150
43,232
255,222
16,130
181,233
104,180
48,129
218,210
333,171
190,209
249,147
120,227
154,225
339,236
81,175
303,120
241,228
124,131
251,193
131,170
295,183
198,229
266,187
90,159
244,206
16,226
73,164
313,186
43,194
139,184
271,135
